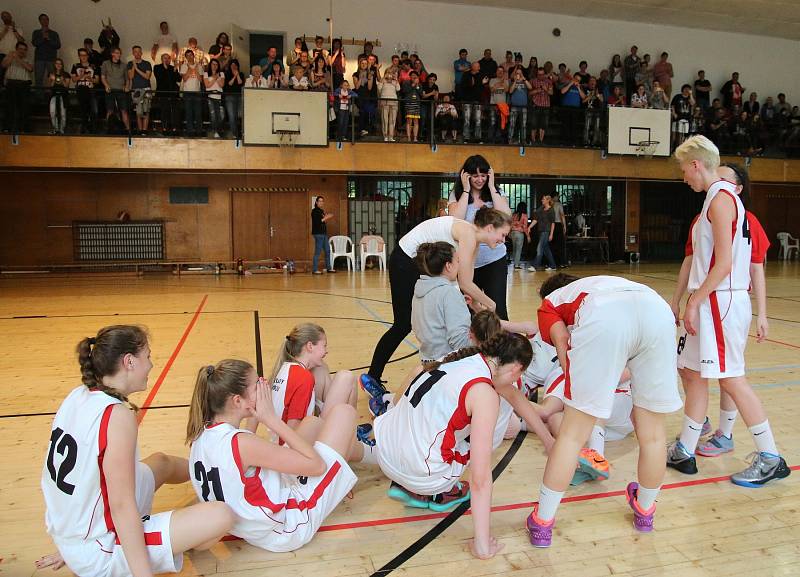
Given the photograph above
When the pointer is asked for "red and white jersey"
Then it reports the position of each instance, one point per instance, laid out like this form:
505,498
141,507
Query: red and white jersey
563,304
293,392
426,434
259,497
703,244
759,242
545,358
73,483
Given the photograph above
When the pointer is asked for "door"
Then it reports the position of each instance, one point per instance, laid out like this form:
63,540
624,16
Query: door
250,214
240,41
260,43
290,225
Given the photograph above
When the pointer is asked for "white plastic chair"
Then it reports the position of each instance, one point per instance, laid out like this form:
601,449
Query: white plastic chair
788,244
343,246
373,245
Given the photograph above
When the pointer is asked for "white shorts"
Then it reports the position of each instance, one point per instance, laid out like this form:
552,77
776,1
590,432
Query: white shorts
717,350
615,329
440,480
300,525
107,559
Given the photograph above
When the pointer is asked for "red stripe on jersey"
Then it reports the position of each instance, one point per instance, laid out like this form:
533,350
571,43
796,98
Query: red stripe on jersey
549,315
689,248
567,378
102,442
254,492
758,239
718,334
311,502
558,381
458,421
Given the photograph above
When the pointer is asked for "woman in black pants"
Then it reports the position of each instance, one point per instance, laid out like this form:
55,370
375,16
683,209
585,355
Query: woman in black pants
490,228
475,189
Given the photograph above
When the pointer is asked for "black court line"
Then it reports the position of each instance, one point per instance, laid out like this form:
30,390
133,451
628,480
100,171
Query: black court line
259,359
91,315
319,317
454,515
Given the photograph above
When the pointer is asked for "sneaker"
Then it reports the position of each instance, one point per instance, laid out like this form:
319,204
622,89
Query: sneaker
317,272
409,499
680,459
386,139
364,132
372,386
531,269
331,270
455,496
364,434
705,431
540,532
717,445
763,468
642,520
377,406
593,463
392,139
579,477
549,268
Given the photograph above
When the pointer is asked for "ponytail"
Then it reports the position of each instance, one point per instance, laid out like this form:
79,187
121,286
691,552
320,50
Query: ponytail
213,387
100,356
293,344
432,257
506,347
485,324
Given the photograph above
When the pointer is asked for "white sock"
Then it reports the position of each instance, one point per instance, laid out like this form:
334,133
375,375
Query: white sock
523,425
690,434
548,503
726,421
647,497
762,436
370,455
390,398
597,440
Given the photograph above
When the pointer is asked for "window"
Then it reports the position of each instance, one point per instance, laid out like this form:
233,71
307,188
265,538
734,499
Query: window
400,190
517,192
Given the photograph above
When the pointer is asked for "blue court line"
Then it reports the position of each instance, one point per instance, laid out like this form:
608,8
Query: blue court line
381,320
775,368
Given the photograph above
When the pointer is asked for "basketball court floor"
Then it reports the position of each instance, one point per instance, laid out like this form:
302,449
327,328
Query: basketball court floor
705,525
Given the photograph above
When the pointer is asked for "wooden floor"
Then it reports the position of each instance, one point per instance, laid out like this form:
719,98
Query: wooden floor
705,525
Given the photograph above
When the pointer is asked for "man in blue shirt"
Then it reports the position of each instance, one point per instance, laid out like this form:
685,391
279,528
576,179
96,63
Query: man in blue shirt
459,67
47,44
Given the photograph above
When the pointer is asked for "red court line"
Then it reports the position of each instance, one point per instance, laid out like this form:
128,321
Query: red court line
514,506
780,343
154,391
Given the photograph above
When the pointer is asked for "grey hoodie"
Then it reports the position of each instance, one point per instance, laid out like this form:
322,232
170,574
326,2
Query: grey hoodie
440,317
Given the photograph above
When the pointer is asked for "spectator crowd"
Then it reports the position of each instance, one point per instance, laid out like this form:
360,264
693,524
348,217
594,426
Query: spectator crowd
195,92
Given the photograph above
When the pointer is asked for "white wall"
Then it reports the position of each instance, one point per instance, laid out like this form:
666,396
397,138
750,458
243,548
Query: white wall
766,65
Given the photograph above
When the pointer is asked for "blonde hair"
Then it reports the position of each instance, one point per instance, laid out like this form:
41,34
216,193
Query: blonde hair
698,148
293,345
213,387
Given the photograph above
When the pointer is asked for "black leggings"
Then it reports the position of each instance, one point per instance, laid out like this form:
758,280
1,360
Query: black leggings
403,275
492,279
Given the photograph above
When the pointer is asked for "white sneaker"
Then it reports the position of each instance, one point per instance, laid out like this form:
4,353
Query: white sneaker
391,139
386,139
364,132
531,269
216,135
548,268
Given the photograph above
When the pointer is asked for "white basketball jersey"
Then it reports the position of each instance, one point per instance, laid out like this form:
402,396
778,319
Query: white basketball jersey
426,435
72,479
545,358
503,417
259,497
703,244
293,392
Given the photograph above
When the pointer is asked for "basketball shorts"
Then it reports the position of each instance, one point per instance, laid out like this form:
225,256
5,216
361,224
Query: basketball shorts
618,329
717,350
106,557
316,498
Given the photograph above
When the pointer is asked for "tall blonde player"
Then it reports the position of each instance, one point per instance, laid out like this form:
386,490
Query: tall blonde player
717,318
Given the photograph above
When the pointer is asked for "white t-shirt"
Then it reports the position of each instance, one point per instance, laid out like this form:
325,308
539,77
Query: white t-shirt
215,91
9,42
191,84
165,42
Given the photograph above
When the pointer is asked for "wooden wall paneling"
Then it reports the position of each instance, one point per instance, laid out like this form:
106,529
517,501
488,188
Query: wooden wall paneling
214,153
23,238
97,152
170,153
632,215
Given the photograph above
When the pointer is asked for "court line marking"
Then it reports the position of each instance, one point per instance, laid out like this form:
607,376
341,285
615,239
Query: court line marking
259,359
523,505
154,391
380,319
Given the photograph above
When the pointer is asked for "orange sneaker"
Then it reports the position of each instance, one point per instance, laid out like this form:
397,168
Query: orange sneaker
593,464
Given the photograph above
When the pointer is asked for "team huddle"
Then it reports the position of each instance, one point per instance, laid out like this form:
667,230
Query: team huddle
476,383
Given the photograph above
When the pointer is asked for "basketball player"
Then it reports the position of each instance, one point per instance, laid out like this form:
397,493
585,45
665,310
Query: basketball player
717,318
448,419
598,326
280,494
97,493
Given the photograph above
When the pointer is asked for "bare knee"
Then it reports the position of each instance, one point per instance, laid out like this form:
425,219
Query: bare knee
343,412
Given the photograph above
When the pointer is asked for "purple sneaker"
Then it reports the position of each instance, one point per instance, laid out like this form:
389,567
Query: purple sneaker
540,532
642,520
